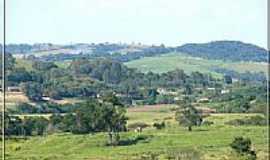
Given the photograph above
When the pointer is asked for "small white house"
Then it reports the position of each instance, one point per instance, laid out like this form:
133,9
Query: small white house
161,91
203,100
234,80
46,98
13,89
224,91
211,89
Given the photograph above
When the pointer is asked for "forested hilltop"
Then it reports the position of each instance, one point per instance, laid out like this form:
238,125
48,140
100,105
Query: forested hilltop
219,50
226,50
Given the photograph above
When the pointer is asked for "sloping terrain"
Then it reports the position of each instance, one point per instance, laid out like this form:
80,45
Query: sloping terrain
225,50
173,61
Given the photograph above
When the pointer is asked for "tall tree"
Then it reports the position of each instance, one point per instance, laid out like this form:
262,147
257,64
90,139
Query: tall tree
187,115
114,117
33,90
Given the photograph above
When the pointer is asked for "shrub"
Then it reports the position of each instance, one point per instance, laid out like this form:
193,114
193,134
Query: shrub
207,123
167,118
186,154
257,120
164,99
134,140
159,125
148,156
23,108
254,120
243,147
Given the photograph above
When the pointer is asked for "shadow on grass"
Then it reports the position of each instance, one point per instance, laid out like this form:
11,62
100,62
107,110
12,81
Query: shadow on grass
135,140
200,130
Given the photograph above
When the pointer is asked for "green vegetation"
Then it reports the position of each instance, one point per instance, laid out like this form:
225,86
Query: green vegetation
169,62
226,50
96,107
210,142
188,115
243,147
23,63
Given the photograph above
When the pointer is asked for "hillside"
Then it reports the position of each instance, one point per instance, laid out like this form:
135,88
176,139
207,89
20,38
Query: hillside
225,50
172,61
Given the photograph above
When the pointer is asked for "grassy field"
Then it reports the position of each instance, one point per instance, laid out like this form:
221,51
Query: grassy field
173,61
210,142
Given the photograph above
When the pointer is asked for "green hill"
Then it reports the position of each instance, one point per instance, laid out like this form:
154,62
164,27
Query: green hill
226,50
168,62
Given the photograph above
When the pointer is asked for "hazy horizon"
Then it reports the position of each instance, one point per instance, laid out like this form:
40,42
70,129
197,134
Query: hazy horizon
148,22
129,43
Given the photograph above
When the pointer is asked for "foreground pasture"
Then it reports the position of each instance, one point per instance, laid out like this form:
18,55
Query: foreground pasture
207,142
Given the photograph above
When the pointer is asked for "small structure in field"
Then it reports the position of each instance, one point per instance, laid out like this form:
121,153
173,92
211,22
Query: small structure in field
235,80
14,89
138,126
164,91
138,130
203,100
224,91
46,98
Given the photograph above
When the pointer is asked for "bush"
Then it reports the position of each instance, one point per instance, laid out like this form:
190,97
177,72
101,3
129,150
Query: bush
186,154
254,120
134,140
25,108
159,125
207,123
148,156
164,99
257,120
243,147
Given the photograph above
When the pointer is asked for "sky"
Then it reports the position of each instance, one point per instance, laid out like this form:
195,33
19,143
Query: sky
171,22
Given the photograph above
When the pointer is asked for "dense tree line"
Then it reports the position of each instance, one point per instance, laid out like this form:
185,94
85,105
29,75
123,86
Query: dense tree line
249,98
90,78
43,108
88,117
255,77
86,78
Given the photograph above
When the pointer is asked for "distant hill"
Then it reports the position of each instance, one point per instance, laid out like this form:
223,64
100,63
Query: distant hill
225,50
218,50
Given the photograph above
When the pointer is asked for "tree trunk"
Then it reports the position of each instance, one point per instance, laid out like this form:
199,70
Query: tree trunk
110,138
